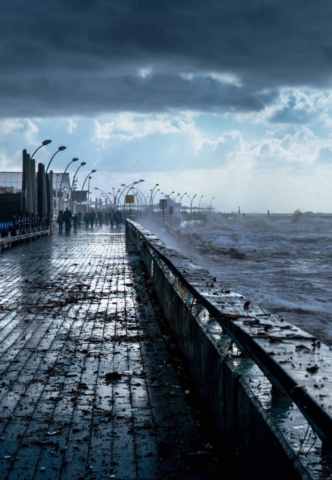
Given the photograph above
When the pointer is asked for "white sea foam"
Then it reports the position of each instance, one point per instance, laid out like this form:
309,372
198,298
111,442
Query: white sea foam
287,266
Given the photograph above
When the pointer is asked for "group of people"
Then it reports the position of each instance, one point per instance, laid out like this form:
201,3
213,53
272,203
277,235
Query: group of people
90,218
66,218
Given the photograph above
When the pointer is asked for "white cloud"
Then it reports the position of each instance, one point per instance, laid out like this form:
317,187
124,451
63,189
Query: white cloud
145,72
31,131
10,125
71,126
225,78
128,126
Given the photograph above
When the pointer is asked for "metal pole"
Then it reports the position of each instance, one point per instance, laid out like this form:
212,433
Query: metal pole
60,193
89,193
60,149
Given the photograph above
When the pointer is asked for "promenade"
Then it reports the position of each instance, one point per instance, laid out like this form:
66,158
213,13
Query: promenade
87,387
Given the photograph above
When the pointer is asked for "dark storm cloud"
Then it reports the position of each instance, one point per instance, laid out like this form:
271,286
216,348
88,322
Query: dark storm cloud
81,57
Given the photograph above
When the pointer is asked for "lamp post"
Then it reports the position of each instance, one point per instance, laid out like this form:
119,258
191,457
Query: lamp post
155,193
100,190
179,194
126,186
81,165
89,193
156,185
44,142
114,195
167,196
60,149
211,203
141,196
199,205
92,171
60,193
183,196
191,202
100,201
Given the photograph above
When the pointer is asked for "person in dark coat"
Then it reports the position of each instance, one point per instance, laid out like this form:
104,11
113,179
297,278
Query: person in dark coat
75,222
92,218
100,218
111,214
87,219
67,217
117,218
60,221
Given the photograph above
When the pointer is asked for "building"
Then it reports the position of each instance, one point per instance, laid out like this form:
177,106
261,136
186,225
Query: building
61,183
10,182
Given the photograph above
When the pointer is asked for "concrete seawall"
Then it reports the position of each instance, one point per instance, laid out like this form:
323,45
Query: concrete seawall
261,431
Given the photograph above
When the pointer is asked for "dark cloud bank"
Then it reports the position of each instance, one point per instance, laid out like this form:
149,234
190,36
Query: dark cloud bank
83,57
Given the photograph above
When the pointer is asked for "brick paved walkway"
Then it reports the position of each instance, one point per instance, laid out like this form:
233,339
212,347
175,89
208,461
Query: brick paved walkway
86,386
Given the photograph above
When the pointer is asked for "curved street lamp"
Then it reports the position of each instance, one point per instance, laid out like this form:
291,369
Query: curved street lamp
183,196
60,192
155,193
92,171
60,149
141,195
179,194
81,165
44,142
156,185
167,196
102,191
127,186
211,202
199,205
191,202
114,195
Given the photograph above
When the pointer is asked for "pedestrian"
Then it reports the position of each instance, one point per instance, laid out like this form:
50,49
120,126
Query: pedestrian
75,222
67,218
87,220
60,221
117,218
112,218
100,218
79,216
92,218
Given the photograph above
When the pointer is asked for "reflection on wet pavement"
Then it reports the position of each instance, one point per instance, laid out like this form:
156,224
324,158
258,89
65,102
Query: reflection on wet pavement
86,386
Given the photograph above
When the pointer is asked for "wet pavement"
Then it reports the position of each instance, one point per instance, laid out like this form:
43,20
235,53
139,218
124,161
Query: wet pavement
87,389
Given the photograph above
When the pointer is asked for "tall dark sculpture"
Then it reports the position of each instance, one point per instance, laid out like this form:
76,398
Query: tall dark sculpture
41,191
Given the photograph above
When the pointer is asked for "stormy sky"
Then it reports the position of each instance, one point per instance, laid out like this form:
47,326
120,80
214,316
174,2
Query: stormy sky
230,100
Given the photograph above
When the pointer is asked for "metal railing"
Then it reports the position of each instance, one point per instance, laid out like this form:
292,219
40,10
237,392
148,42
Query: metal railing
22,225
289,357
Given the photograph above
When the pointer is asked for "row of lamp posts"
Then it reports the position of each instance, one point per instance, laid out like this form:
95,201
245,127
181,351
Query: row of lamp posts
37,190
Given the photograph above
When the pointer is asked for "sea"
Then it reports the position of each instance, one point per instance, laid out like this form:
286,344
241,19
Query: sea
284,261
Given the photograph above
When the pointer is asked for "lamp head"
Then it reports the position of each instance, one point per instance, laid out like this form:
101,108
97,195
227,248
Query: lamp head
93,171
83,163
46,142
142,181
96,188
61,148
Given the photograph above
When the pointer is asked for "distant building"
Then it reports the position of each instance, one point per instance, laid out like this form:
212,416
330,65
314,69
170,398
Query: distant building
61,180
10,182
